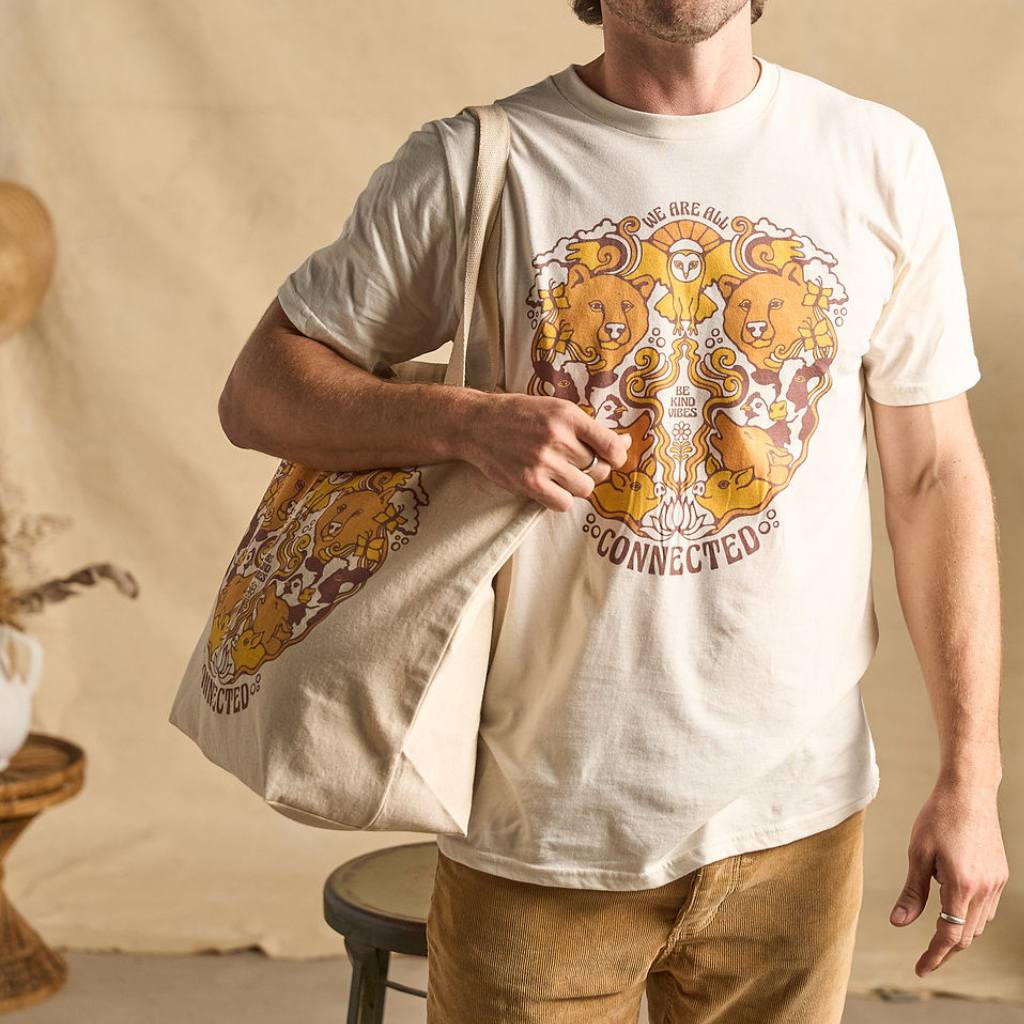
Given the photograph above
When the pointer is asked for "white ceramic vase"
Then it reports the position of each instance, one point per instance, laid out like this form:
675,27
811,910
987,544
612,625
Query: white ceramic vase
21,665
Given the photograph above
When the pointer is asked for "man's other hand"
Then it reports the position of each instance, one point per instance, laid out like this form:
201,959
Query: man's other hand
957,840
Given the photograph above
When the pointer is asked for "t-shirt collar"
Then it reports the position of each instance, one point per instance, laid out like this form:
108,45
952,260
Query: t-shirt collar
669,126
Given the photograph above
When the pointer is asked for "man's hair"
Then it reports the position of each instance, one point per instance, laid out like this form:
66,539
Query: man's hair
589,11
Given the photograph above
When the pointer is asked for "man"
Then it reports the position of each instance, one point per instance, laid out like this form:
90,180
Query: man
706,261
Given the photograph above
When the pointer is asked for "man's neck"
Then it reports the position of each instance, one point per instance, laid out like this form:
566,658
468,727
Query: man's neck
645,73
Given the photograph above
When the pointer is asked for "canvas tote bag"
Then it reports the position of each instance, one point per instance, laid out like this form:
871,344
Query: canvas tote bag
341,670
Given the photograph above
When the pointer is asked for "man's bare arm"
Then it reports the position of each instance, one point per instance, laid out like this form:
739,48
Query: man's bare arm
941,523
294,398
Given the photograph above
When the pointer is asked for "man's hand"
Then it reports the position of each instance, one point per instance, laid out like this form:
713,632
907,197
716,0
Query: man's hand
537,446
956,839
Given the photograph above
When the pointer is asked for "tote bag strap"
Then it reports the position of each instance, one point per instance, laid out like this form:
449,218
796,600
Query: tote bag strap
488,184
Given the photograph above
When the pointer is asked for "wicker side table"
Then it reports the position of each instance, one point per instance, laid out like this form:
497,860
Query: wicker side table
44,772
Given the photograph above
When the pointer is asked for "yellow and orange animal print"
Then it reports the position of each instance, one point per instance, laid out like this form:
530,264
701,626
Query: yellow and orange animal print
315,539
711,352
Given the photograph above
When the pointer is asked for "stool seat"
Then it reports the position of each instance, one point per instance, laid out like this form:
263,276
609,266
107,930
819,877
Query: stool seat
381,898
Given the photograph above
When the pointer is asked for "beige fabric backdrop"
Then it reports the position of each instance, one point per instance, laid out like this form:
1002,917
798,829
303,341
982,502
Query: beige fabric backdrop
192,153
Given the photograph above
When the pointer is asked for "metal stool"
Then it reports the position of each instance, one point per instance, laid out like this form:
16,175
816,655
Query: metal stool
379,902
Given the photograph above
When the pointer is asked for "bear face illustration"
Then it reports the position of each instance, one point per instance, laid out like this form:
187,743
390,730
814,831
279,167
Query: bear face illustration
606,315
348,518
764,313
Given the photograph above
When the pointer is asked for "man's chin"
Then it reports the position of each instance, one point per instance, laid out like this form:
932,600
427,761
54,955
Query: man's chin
678,24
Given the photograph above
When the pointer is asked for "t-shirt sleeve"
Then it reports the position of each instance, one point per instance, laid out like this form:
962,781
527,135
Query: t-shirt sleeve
922,348
383,290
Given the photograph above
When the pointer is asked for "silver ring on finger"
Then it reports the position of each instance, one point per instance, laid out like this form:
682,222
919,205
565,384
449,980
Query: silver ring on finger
593,462
951,918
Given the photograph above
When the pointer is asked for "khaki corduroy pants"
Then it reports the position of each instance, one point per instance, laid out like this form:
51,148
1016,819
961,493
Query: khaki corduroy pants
764,937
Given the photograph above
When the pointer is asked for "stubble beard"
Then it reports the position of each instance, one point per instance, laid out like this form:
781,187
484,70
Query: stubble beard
683,22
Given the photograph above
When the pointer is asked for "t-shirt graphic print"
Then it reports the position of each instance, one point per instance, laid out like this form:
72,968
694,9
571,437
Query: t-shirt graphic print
676,659
708,341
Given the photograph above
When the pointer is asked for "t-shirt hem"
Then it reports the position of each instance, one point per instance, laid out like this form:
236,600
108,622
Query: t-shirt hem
671,869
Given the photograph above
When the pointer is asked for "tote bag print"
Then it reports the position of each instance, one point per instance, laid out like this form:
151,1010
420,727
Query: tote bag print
316,539
709,342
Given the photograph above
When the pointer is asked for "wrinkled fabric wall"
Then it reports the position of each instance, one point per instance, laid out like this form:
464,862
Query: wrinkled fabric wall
191,155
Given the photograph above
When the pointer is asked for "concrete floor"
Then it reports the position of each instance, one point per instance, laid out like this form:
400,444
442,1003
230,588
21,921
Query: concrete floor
110,988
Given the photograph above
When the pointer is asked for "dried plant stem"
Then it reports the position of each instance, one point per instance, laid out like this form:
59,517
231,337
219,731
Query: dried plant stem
55,590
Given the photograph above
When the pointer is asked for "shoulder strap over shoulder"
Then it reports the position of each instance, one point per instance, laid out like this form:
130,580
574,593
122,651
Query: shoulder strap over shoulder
488,184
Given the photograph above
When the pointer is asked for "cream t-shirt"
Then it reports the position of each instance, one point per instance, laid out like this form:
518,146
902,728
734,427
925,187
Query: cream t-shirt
675,679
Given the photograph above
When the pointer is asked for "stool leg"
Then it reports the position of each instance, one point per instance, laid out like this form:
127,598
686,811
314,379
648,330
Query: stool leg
369,977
